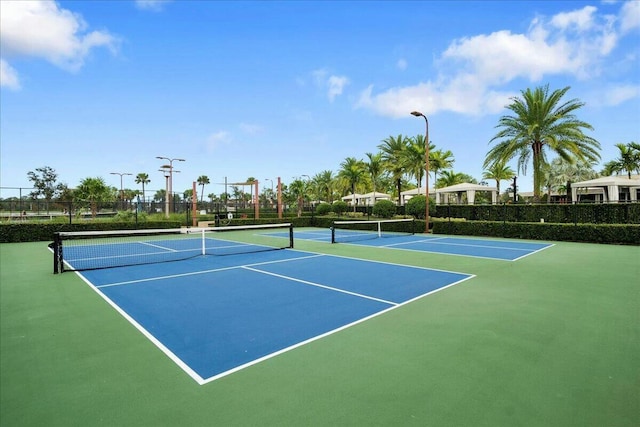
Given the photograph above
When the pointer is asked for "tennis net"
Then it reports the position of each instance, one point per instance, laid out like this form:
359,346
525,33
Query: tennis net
91,250
350,231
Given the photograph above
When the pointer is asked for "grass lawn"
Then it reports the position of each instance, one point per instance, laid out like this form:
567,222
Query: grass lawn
552,339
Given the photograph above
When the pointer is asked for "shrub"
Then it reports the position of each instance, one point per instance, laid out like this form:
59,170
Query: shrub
416,207
384,209
323,209
340,207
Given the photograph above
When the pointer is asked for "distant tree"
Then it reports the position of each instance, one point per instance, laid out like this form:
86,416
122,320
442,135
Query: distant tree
499,171
94,191
142,178
44,181
202,181
541,121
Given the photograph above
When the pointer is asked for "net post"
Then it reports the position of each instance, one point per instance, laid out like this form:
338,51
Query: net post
57,253
333,232
204,243
379,228
291,235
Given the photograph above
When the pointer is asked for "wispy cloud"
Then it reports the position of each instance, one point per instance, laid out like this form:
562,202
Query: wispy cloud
152,5
8,76
333,84
41,29
474,70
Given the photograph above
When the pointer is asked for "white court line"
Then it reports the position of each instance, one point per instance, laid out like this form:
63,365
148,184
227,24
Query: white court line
326,334
193,273
306,282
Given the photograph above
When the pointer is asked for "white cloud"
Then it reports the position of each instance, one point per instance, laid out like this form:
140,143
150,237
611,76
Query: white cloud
336,86
630,16
152,5
41,29
8,76
581,20
333,84
616,95
402,64
217,140
473,68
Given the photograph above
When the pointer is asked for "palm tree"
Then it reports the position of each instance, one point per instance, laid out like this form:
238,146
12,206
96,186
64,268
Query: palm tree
202,181
392,155
324,183
142,178
352,172
450,177
498,171
439,160
541,122
297,190
414,157
374,168
629,159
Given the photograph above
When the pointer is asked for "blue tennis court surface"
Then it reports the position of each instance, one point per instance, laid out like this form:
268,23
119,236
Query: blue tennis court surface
509,250
215,315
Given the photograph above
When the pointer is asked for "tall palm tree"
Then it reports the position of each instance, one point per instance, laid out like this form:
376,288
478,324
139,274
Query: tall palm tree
499,171
392,154
352,172
142,178
202,181
324,183
297,190
541,122
375,168
439,160
413,158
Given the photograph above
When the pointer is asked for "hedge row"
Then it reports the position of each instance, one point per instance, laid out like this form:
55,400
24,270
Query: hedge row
594,233
609,213
628,234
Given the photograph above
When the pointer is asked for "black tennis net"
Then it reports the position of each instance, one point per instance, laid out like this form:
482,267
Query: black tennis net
91,250
350,231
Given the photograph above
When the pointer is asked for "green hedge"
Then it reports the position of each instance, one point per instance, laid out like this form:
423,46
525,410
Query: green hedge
34,232
594,233
593,213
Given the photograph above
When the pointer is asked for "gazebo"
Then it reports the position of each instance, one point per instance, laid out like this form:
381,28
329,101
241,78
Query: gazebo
368,199
468,189
609,187
405,196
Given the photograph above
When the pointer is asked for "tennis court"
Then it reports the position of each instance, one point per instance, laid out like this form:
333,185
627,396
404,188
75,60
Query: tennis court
214,316
507,250
362,336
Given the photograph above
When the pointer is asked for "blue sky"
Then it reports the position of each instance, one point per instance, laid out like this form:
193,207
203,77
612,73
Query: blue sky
292,88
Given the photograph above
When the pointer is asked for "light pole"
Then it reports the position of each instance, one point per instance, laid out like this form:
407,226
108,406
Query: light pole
426,165
170,169
166,174
121,188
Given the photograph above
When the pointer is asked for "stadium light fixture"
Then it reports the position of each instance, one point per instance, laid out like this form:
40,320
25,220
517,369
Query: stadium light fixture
426,162
170,166
121,188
